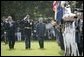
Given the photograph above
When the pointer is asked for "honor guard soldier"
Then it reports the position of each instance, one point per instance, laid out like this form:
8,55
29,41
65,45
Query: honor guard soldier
27,31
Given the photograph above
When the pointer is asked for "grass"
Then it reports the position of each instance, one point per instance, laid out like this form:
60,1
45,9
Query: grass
51,48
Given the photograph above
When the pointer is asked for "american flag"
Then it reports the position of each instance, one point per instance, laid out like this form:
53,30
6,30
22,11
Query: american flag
54,5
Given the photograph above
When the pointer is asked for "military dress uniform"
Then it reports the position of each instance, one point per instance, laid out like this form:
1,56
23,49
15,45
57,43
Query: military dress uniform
27,33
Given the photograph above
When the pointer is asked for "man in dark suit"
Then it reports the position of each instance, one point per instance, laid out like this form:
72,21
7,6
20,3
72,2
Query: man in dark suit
11,32
40,29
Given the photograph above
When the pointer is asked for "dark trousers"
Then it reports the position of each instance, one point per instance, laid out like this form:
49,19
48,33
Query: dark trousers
41,42
27,41
6,40
11,42
59,38
61,41
79,40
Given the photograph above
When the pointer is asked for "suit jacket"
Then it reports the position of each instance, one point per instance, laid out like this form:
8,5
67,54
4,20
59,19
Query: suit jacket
40,29
11,28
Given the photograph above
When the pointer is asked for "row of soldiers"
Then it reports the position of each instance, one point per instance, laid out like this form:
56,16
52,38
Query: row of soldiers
69,34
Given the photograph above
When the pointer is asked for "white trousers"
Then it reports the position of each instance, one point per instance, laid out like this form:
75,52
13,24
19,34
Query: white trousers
69,39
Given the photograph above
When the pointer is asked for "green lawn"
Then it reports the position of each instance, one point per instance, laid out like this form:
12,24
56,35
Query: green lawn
51,48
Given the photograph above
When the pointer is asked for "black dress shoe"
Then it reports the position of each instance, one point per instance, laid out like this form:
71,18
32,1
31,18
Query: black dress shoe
12,47
26,47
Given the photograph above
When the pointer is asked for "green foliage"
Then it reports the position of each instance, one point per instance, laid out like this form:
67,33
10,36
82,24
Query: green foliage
76,4
19,9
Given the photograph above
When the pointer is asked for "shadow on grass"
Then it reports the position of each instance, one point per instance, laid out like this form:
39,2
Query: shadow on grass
61,53
27,49
19,49
42,48
11,49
